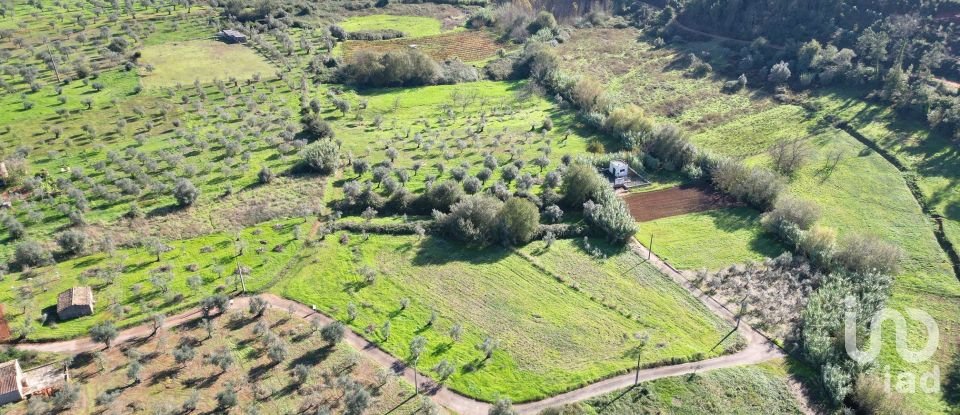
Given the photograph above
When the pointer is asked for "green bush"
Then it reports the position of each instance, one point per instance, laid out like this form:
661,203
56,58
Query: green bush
321,157
408,67
72,241
863,253
518,221
754,186
185,193
609,216
444,195
31,253
800,212
580,183
472,220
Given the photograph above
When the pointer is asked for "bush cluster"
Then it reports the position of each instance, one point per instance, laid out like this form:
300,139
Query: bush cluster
480,220
408,67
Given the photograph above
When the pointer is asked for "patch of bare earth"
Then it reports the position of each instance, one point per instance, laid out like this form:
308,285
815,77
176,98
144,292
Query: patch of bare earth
675,201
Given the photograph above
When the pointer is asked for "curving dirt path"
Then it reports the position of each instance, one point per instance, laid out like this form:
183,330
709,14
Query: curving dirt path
759,349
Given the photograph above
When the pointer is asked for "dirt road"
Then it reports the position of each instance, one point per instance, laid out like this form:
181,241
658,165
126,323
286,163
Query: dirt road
758,350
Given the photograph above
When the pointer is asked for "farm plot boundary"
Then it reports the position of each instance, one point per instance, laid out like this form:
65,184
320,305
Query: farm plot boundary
647,206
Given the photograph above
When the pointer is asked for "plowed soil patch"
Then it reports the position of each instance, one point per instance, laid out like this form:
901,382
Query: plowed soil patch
4,327
675,201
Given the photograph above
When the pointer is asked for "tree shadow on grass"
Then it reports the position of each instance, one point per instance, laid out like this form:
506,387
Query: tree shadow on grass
311,357
200,382
951,386
441,349
258,372
438,251
163,375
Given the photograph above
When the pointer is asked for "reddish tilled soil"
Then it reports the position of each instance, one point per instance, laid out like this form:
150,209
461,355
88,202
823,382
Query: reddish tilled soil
675,201
4,327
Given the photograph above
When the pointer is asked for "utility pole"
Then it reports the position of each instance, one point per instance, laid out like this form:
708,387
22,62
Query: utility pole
243,286
636,381
650,248
53,63
416,382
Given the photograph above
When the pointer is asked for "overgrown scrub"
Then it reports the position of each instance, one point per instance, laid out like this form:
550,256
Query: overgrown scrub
771,294
394,68
821,337
480,220
751,185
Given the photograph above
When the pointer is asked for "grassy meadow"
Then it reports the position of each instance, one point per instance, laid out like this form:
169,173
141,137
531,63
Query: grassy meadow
203,60
751,389
411,26
552,336
710,240
130,284
860,192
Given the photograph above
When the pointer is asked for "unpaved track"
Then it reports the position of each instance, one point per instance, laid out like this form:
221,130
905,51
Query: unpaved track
758,350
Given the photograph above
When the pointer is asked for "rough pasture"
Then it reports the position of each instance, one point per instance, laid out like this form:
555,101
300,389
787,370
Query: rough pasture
468,46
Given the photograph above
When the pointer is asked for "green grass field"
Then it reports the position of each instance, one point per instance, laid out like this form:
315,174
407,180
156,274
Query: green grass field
862,193
710,240
213,258
203,60
635,71
448,116
552,337
411,26
751,389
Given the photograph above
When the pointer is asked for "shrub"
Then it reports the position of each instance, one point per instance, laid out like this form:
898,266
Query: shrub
791,209
338,33
630,123
265,176
544,20
779,73
518,221
609,216
819,244
14,227
671,147
587,94
454,71
553,214
754,186
408,67
322,157
472,185
862,253
185,193
580,183
789,155
472,220
315,127
502,69
32,253
370,35
17,170
72,241
442,196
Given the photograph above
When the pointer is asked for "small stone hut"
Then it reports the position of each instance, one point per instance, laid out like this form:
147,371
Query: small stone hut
11,382
233,36
75,302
